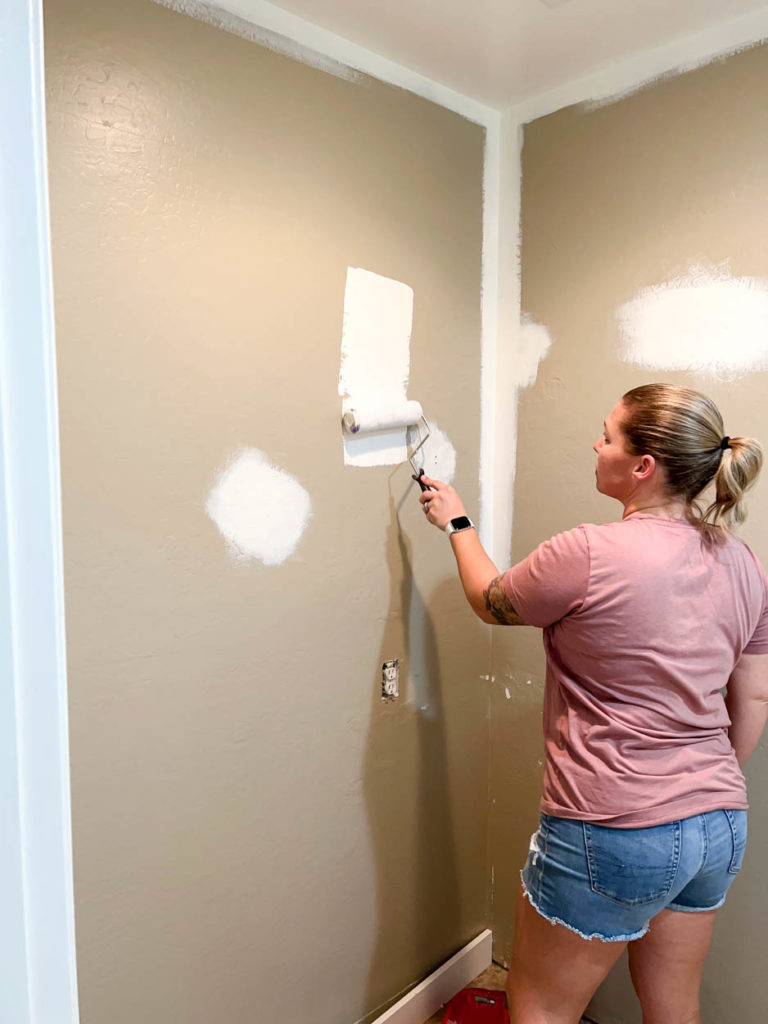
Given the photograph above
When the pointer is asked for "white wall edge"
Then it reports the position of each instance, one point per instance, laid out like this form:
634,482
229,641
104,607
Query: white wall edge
37,939
451,977
616,80
505,394
492,199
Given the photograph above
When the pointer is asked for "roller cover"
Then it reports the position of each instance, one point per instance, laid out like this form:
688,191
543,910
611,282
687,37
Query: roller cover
364,419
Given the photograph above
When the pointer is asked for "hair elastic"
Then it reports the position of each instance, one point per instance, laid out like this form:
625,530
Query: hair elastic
725,443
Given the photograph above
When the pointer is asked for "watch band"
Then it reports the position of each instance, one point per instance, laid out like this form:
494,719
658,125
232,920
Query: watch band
458,524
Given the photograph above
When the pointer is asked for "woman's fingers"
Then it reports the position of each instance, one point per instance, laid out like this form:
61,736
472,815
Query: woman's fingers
435,485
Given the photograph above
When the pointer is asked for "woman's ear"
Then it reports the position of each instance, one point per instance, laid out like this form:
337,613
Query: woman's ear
645,468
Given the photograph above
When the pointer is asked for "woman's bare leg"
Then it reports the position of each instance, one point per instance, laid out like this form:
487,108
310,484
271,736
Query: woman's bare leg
553,972
666,966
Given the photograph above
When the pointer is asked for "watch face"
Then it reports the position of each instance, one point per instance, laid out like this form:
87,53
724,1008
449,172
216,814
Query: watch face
461,523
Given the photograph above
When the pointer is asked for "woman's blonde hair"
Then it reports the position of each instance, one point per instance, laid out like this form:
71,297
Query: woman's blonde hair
683,430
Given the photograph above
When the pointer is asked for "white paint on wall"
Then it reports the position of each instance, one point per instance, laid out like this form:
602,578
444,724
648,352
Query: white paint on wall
260,509
531,346
439,455
375,361
705,321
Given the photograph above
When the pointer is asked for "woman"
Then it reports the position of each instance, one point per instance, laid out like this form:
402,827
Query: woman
645,621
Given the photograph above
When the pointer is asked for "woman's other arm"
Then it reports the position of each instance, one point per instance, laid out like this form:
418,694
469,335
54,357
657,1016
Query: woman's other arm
747,704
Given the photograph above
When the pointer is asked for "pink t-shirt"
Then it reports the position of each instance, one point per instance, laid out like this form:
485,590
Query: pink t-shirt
643,625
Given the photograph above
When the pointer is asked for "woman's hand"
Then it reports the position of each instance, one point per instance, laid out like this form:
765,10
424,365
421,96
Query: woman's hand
441,503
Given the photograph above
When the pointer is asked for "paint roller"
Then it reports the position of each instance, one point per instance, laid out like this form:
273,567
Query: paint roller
395,415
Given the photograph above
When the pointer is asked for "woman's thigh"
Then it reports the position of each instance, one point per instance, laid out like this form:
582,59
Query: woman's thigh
553,972
666,965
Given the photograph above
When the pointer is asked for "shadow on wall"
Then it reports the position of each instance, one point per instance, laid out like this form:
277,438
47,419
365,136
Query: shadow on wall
406,786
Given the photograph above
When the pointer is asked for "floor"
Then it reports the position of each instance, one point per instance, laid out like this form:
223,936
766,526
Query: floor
493,977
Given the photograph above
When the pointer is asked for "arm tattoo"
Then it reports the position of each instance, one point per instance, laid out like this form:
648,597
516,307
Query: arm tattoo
498,604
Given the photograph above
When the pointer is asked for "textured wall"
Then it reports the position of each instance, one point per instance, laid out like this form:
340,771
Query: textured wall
257,837
615,200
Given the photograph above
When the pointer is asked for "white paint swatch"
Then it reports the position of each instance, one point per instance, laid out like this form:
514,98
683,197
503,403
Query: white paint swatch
260,510
438,456
375,360
532,345
706,321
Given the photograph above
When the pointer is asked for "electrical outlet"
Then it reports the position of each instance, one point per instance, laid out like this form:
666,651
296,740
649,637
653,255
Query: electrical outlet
390,680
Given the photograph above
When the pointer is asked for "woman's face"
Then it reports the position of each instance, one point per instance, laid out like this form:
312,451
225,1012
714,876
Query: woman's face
613,471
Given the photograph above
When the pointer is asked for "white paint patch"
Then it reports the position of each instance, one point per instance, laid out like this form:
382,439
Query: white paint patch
375,361
706,322
532,345
438,454
260,510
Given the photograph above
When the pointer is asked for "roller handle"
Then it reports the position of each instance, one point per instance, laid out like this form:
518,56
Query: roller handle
420,482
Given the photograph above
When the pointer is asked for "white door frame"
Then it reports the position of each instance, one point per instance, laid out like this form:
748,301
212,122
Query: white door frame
38,983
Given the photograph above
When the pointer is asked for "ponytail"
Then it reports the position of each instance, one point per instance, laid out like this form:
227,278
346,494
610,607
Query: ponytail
739,467
683,430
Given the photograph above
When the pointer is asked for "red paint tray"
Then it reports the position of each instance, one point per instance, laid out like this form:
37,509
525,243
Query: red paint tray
477,1006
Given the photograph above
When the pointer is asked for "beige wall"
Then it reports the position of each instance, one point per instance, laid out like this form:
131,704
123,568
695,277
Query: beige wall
256,837
615,199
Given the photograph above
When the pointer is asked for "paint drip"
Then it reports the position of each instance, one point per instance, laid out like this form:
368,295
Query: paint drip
705,321
260,509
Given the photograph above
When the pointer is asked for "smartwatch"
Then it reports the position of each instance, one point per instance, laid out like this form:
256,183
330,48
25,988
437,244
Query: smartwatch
458,524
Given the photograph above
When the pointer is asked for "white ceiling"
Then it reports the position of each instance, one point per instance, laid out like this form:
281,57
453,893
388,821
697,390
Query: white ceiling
502,52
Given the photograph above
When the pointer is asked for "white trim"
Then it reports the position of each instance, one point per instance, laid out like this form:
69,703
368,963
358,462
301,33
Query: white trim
451,977
492,201
505,394
37,945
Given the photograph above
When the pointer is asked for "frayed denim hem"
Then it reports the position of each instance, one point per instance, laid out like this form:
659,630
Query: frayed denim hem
693,910
595,935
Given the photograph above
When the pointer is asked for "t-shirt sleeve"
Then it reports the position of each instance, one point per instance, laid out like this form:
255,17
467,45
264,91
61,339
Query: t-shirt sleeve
552,581
758,642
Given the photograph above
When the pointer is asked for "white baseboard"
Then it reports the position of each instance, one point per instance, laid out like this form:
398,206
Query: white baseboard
426,998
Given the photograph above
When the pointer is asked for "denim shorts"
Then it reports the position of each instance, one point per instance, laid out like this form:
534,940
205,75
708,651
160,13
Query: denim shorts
607,883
